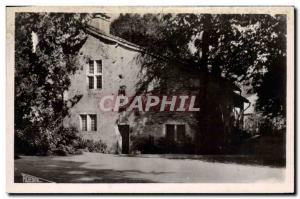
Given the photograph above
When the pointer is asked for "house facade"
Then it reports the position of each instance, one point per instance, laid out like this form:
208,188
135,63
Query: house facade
110,66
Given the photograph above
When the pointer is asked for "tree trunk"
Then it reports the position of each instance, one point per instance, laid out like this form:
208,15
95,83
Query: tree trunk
201,138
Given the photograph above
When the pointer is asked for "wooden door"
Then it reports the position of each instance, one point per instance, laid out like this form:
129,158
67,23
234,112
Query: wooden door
124,131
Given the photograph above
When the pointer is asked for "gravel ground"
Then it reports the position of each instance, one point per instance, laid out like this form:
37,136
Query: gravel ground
107,168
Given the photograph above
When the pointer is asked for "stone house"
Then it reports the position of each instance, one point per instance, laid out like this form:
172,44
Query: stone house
108,65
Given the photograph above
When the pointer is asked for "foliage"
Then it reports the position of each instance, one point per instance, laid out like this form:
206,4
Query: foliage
42,72
36,140
42,76
249,50
92,146
161,145
62,141
258,124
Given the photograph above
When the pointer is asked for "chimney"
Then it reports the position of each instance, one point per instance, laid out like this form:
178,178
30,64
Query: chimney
101,22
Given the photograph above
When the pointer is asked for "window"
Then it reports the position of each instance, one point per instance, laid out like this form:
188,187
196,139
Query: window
180,132
91,82
94,74
88,122
93,122
175,132
99,82
170,131
99,66
83,123
91,67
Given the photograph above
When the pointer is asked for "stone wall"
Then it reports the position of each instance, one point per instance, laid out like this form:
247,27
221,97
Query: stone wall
121,68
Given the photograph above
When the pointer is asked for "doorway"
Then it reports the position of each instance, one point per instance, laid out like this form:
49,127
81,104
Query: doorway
124,131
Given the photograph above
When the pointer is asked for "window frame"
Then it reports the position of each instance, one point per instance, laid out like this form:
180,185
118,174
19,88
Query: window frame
97,63
175,131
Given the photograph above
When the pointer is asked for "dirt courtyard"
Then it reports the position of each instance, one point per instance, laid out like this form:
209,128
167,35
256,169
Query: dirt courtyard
108,168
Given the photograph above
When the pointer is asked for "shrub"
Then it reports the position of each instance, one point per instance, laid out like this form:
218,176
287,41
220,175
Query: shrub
33,141
143,144
91,145
162,145
186,146
24,142
63,141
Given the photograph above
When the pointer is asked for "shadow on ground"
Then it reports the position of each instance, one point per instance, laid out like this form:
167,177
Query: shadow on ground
255,160
73,172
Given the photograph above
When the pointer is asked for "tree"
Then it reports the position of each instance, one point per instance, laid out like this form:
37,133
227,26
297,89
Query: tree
249,50
42,76
243,49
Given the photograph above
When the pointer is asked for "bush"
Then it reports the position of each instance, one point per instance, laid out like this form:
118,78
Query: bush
24,142
34,141
92,146
63,141
149,145
185,146
143,144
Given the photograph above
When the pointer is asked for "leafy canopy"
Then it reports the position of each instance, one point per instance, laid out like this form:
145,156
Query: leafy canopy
249,50
42,71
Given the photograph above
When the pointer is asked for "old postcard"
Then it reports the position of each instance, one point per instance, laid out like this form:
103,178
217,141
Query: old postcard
150,99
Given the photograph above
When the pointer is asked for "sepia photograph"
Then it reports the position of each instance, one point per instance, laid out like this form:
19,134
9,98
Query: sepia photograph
187,98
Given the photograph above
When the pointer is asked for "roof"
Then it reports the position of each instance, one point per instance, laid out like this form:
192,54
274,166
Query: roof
126,44
122,42
238,99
